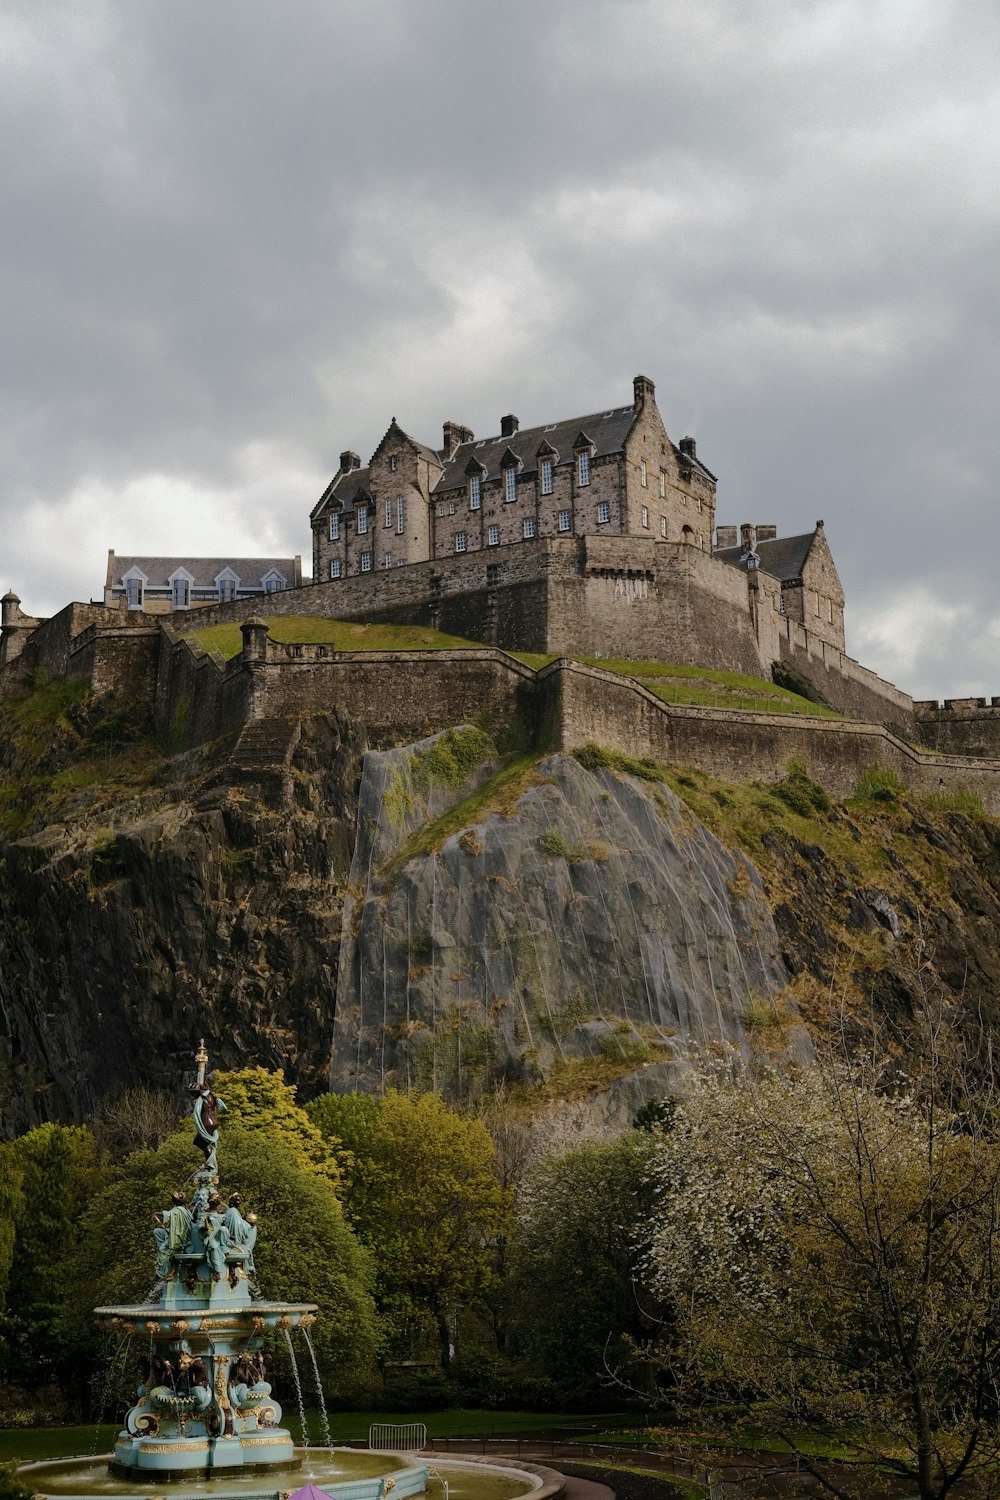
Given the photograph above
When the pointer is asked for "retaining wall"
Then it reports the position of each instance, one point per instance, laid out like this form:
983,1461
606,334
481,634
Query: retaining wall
960,726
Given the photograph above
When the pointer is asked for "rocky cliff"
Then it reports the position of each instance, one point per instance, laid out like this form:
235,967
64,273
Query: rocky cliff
436,915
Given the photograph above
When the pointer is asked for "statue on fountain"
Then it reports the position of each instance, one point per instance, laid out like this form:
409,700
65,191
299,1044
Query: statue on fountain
205,1403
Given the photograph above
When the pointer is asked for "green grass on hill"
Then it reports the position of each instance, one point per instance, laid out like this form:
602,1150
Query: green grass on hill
343,635
673,683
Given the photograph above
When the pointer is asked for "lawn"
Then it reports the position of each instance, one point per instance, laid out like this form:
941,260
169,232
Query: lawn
343,635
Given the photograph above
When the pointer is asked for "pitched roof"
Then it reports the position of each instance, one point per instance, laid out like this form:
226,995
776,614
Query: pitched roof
345,486
204,570
783,557
607,429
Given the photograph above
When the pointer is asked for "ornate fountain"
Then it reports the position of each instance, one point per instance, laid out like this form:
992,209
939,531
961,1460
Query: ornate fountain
206,1403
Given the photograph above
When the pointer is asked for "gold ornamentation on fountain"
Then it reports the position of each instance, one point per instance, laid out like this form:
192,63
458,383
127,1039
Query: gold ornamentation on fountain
284,1322
258,1324
151,1327
181,1326
307,1320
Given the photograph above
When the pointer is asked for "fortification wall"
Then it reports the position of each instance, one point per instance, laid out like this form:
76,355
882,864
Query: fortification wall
48,649
587,705
120,660
960,726
841,682
199,695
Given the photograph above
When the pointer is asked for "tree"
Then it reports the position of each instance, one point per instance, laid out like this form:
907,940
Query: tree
49,1175
305,1251
425,1199
264,1101
576,1310
831,1243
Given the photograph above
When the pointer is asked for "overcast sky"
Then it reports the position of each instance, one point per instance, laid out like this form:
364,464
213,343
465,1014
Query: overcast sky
238,237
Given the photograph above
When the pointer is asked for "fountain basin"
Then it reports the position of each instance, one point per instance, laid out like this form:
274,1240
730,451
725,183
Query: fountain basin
183,1314
346,1474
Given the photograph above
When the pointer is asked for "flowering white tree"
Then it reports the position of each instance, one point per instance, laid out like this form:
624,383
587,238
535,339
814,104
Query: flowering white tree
830,1243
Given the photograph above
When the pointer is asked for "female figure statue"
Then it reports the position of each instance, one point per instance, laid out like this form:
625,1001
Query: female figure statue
207,1108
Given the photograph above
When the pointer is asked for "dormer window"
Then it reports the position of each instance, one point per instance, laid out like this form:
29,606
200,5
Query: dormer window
476,491
335,526
180,593
583,467
227,585
546,470
362,514
133,593
510,483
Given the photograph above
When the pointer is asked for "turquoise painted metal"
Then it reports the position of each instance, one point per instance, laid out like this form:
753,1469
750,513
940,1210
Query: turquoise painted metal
206,1405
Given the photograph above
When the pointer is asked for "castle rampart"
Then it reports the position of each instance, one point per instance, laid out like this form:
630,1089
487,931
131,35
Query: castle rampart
960,726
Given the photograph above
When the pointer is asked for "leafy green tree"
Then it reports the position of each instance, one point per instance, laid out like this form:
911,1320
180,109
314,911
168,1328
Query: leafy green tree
50,1174
262,1100
305,1251
832,1243
426,1201
578,1313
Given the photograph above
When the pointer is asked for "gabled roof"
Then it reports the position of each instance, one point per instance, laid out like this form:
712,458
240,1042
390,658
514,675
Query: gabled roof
607,430
783,557
395,433
250,571
345,486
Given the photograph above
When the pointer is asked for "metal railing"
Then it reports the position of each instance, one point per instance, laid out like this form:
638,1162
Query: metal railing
398,1437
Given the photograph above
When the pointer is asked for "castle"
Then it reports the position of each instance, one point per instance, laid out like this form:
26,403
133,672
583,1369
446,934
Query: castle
593,536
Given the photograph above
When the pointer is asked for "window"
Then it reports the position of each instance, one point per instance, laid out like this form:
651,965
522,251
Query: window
528,527
388,559
334,526
451,507
133,592
366,562
583,468
461,541
603,512
335,567
273,584
440,512
362,519
645,516
494,536
510,483
388,511
564,520
663,526
400,561
663,484
180,593
400,515
642,473
475,491
546,476
393,461
227,590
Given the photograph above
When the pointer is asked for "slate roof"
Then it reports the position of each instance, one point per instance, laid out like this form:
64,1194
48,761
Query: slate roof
607,430
345,486
249,570
784,557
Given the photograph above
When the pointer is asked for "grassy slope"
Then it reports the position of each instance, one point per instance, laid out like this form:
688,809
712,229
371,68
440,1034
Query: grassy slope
672,683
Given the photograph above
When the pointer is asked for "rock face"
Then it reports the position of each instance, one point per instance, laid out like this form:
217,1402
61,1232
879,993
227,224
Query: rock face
591,926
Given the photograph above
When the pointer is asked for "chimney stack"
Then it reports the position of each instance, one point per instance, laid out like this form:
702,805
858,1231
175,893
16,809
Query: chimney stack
349,461
508,425
766,533
725,536
688,447
643,390
454,436
748,537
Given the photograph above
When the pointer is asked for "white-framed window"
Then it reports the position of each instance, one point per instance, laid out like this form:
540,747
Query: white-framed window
603,511
781,604
393,461
388,511
663,484
227,590
563,522
362,519
645,516
400,515
642,472
133,593
180,593
335,567
475,491
663,526
493,536
528,527
388,559
366,562
583,467
546,476
461,541
400,561
273,584
452,507
510,483
440,512
335,526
